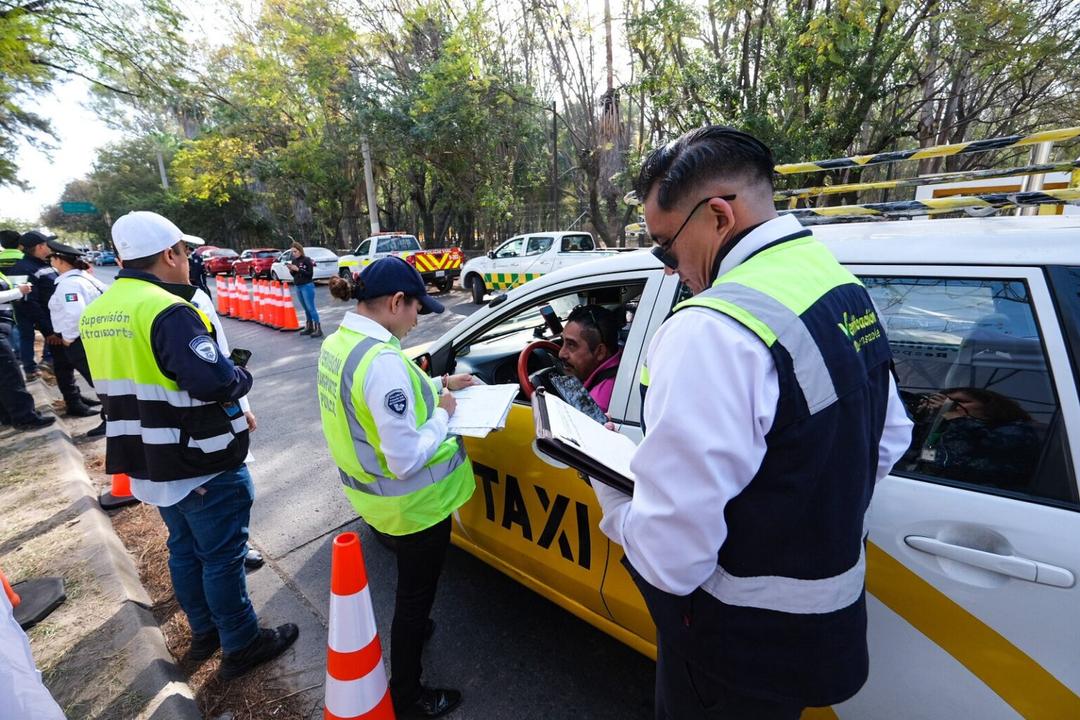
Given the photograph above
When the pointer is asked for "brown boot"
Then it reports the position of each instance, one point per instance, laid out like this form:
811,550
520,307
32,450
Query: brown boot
318,331
308,329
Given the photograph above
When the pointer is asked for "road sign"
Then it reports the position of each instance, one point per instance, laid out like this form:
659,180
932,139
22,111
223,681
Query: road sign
78,208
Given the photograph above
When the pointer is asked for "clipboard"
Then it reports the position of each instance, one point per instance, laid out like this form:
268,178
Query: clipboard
573,438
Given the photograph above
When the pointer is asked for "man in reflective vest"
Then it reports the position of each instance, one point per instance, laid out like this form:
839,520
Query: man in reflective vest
386,427
770,414
174,425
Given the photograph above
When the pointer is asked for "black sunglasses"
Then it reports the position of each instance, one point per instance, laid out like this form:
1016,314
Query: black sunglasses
662,250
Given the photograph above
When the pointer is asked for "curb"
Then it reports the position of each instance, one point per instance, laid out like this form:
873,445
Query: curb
156,674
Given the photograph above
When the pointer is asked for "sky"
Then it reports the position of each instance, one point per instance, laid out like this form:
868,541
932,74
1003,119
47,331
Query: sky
79,132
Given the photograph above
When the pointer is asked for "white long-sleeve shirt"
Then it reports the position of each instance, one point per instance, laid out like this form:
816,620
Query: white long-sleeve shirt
407,447
712,399
75,289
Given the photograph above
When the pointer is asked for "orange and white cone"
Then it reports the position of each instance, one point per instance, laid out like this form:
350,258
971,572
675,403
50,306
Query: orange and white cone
276,305
289,321
356,684
257,294
222,302
120,495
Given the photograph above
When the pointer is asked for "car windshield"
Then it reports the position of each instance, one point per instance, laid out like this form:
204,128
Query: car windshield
320,253
266,254
398,243
225,253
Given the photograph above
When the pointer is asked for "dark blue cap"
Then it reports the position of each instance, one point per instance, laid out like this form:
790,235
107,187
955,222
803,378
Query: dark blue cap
390,275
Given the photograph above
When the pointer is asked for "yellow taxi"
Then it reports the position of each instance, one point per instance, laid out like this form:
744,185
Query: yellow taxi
974,542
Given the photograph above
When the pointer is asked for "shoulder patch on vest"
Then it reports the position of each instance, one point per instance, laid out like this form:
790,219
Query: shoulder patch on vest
396,402
71,297
204,348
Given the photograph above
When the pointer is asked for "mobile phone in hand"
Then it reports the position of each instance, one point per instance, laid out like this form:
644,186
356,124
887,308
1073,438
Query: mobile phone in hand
239,356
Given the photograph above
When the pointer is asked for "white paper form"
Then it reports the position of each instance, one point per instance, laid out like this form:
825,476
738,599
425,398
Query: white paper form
593,439
481,409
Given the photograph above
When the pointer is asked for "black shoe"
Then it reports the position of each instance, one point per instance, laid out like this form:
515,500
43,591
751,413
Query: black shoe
79,409
266,646
92,402
35,422
203,646
98,431
254,559
308,329
318,331
432,703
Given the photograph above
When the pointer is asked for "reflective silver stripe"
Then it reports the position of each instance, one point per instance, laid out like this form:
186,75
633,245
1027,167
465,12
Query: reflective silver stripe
146,392
810,369
150,436
426,391
217,443
365,451
419,480
790,595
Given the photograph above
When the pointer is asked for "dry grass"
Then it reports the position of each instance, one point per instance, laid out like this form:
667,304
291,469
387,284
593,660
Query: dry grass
247,698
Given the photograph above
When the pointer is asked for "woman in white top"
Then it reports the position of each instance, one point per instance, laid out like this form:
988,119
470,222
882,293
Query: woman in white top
75,289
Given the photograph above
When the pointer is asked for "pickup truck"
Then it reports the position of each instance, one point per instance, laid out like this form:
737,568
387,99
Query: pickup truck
526,257
437,267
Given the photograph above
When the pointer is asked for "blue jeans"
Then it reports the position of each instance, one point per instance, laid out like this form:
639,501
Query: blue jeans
306,293
208,534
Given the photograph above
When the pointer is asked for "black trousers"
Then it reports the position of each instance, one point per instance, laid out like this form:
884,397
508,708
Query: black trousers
76,355
64,371
420,559
16,404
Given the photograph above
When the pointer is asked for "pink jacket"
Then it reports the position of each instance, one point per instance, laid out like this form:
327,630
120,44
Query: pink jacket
601,392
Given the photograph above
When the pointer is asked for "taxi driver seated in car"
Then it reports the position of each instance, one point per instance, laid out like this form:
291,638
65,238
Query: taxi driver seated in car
590,350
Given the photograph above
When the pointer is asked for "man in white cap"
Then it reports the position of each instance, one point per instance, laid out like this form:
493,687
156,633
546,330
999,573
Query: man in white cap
175,426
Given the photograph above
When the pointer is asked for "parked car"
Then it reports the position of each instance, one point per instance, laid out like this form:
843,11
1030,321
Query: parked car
105,257
437,267
971,559
203,249
325,261
91,256
255,263
526,257
219,261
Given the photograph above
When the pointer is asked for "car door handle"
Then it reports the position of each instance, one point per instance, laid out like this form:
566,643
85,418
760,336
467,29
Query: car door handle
1011,565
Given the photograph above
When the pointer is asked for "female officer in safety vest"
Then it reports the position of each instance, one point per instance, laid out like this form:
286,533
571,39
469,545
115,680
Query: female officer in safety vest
385,422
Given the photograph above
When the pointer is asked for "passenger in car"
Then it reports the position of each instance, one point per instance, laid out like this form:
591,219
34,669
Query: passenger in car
974,435
590,350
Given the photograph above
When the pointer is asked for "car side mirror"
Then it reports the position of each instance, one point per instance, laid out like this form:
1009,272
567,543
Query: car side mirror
423,362
491,254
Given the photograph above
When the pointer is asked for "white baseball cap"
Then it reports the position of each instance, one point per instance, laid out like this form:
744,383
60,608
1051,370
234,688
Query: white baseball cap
141,234
193,240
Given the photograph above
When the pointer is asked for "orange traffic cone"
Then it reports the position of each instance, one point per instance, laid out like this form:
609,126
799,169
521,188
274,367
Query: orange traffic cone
356,685
12,596
275,304
246,312
222,299
289,321
120,495
257,301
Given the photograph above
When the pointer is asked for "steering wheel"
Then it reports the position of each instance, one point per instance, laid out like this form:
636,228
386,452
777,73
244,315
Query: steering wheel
523,362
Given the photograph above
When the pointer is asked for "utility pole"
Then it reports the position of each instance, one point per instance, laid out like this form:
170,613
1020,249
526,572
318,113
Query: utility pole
555,164
369,181
161,170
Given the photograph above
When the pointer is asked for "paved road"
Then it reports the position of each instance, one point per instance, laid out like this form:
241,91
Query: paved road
516,655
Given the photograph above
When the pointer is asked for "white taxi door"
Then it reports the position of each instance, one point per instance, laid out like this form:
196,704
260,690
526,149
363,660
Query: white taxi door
974,539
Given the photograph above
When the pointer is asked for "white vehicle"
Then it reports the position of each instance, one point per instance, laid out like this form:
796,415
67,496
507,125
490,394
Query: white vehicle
526,257
974,545
325,261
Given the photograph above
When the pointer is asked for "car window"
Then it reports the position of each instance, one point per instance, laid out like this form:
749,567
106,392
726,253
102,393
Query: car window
510,249
365,247
266,254
577,243
539,245
972,371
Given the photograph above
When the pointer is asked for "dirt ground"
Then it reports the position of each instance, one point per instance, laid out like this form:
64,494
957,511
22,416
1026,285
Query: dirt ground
248,698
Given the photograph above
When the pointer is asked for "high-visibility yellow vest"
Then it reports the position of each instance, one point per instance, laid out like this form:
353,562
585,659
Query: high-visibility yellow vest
391,504
154,429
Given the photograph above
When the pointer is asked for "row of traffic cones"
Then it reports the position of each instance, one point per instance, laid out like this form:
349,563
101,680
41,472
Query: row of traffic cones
269,302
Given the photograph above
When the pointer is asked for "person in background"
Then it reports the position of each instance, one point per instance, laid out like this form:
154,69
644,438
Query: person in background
303,271
9,250
35,265
176,428
27,310
76,288
386,424
16,404
590,350
196,270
